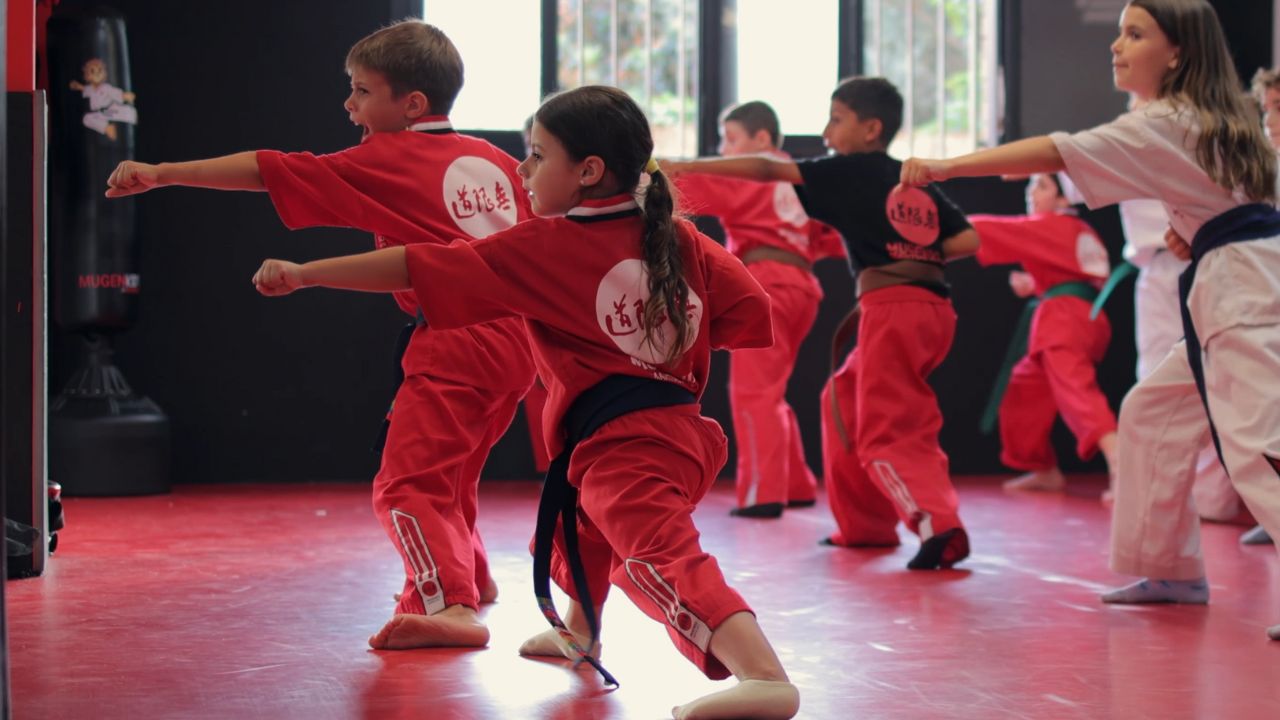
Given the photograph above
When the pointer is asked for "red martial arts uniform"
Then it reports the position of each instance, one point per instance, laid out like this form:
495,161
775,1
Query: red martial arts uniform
892,467
461,386
771,464
578,281
1058,372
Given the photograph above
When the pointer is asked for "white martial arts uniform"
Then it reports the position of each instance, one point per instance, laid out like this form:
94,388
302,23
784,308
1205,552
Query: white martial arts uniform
1235,306
1158,327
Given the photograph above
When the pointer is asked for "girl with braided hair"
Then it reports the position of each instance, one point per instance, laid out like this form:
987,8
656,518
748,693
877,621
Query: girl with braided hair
624,302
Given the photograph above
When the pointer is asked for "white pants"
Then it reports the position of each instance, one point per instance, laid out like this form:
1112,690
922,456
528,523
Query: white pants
1235,305
1158,323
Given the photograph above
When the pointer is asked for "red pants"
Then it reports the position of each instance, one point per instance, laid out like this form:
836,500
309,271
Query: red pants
1057,375
425,492
771,464
893,468
639,477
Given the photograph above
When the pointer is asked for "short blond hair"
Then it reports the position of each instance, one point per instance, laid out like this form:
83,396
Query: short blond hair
413,55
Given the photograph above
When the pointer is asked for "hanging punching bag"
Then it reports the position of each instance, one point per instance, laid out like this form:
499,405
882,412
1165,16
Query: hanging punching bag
104,439
95,247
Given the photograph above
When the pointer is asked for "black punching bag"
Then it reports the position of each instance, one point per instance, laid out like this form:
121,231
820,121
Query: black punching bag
104,439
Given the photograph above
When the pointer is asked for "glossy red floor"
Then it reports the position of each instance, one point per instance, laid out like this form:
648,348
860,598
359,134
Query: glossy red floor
255,602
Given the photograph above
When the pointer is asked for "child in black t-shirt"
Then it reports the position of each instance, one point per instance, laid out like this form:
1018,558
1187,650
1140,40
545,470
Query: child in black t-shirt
880,418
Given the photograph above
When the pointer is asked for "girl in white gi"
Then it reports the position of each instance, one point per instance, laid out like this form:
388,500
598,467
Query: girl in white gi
1197,147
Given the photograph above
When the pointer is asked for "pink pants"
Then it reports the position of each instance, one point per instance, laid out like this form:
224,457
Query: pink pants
771,464
639,477
440,435
1057,375
892,467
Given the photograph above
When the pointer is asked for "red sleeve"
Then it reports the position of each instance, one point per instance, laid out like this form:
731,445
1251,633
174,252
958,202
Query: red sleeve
739,309
465,282
710,195
1047,241
825,241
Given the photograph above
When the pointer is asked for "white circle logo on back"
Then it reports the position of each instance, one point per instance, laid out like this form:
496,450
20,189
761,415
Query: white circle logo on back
620,303
787,205
479,196
1092,255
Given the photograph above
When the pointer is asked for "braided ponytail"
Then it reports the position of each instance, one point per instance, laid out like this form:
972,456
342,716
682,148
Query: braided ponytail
668,290
605,122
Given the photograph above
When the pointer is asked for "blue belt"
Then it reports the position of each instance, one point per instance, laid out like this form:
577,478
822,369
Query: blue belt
1247,222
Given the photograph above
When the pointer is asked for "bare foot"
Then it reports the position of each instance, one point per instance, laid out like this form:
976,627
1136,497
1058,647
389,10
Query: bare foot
548,643
748,700
1050,480
455,626
489,593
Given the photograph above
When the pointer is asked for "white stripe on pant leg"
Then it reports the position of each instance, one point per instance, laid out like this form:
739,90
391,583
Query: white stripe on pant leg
646,577
753,487
425,572
901,496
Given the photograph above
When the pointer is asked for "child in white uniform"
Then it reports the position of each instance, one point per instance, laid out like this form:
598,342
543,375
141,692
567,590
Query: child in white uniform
1199,149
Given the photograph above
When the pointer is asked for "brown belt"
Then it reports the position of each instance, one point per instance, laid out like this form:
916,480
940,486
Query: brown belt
786,257
902,272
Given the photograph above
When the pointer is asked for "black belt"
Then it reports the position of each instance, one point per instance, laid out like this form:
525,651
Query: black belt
1247,222
402,346
612,397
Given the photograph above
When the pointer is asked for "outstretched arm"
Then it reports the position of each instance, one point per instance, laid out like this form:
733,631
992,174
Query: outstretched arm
229,172
1021,157
960,245
384,270
755,167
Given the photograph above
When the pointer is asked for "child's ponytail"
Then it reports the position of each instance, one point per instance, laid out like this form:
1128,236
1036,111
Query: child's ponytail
668,290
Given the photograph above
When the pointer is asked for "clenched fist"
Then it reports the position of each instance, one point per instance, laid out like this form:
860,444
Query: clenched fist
131,177
278,277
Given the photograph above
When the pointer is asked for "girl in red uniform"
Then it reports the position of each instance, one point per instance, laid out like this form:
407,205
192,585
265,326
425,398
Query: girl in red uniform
616,292
1067,264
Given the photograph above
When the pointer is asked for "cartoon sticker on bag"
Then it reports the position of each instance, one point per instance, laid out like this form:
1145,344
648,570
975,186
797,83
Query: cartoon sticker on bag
108,104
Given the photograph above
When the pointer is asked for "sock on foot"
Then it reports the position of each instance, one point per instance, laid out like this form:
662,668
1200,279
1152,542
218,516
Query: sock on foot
763,510
1146,590
1256,536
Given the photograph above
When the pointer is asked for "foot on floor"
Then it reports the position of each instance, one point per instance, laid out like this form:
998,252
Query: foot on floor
1146,590
763,510
1050,480
748,700
1256,536
548,643
444,629
941,551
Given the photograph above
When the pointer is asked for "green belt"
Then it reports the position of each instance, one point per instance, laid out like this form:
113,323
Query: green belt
1122,271
1018,345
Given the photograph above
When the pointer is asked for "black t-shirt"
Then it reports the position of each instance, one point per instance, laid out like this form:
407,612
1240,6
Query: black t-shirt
850,193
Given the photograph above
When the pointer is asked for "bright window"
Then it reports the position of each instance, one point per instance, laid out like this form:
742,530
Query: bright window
788,59
500,43
649,48
942,56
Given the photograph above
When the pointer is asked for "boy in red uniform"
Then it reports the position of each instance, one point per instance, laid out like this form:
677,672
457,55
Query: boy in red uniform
1067,263
412,179
766,227
890,467
624,304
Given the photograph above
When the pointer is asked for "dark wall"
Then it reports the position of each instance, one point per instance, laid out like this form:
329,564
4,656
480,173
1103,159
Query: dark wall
293,388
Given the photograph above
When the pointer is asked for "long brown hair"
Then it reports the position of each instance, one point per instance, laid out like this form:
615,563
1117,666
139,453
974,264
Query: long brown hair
605,122
1231,148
